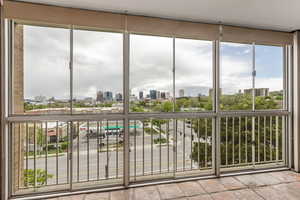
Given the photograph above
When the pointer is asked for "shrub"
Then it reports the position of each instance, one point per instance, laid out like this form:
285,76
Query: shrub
160,140
64,145
41,177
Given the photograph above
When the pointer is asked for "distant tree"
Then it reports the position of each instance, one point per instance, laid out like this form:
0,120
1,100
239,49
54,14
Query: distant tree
166,106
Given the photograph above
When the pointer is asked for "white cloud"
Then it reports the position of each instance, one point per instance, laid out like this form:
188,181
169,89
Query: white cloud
98,64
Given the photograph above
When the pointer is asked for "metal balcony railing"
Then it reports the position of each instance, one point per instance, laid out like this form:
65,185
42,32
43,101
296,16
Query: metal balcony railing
57,155
252,141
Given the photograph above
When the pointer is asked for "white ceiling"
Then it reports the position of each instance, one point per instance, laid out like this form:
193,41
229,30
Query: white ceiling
267,14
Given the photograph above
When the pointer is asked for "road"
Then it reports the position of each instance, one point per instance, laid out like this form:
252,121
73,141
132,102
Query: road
91,164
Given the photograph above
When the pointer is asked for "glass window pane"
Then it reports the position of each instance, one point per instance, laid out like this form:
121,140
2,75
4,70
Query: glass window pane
236,76
98,72
269,77
41,70
193,75
151,74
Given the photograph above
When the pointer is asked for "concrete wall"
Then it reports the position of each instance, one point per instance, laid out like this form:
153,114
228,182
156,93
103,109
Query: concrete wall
18,104
296,108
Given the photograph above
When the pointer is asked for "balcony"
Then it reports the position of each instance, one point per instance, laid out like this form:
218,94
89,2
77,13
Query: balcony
271,185
90,113
58,155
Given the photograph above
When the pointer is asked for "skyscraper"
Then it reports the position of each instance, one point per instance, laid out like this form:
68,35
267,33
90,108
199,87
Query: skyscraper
108,96
118,97
163,95
158,95
153,94
141,95
167,95
100,96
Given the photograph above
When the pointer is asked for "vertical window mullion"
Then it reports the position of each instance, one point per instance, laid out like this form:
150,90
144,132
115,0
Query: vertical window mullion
71,69
216,104
253,76
285,77
126,57
173,73
253,103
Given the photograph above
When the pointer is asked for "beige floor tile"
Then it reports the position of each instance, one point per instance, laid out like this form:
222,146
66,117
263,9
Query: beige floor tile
269,193
227,195
292,175
231,183
282,177
201,197
289,191
191,188
146,193
247,194
122,195
266,179
249,181
170,191
212,185
97,196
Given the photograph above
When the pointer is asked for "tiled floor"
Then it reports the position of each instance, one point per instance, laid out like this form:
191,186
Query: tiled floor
282,185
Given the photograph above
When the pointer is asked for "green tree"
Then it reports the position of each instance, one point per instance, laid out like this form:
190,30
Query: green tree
236,133
40,176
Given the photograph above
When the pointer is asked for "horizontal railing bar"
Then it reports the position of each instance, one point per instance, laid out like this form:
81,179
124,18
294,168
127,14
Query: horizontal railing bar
250,164
254,113
171,115
64,118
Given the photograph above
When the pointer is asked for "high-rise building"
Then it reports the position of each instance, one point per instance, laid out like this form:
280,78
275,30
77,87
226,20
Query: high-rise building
100,96
141,95
153,94
108,96
158,95
119,97
167,95
40,98
163,95
181,93
89,100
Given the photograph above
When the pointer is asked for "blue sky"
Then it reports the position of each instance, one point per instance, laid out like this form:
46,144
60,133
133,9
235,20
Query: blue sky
236,67
268,59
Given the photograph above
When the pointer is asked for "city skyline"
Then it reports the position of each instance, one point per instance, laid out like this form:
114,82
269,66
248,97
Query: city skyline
95,64
103,96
